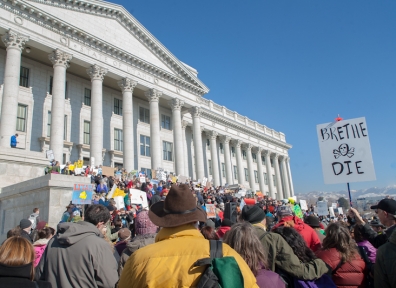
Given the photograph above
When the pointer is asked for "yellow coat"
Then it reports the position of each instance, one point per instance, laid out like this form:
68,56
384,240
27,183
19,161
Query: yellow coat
169,262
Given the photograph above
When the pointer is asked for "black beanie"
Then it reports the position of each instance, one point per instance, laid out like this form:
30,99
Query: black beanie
227,223
253,214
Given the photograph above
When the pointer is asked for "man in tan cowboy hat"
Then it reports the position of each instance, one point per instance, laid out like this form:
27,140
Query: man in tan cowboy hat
169,262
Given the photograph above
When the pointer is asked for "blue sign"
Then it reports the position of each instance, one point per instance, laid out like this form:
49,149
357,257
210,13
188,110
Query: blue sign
82,193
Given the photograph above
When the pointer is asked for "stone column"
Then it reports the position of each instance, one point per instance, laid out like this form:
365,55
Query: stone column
97,74
238,152
127,85
184,126
260,169
9,108
227,159
285,177
197,134
290,176
61,62
213,155
279,189
252,181
267,155
153,96
176,105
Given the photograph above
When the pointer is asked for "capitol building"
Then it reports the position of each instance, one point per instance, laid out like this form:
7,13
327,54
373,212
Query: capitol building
86,80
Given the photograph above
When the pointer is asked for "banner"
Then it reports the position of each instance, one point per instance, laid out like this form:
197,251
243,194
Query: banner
82,193
211,210
322,208
303,204
345,151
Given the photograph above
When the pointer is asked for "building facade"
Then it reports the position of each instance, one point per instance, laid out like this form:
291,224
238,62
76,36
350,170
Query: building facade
86,80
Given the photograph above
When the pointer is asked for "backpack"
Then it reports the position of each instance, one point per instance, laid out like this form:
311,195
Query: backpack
369,280
221,271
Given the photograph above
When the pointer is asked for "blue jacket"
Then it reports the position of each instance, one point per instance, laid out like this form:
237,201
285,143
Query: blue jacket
13,141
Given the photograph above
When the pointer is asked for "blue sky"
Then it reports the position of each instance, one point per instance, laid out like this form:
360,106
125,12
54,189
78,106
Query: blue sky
291,65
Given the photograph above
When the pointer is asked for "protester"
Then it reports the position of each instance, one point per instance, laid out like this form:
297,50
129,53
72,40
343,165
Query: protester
67,213
124,235
243,239
340,253
386,210
26,228
78,256
178,245
225,226
314,222
369,249
286,218
44,235
377,226
16,264
14,142
34,218
281,256
385,266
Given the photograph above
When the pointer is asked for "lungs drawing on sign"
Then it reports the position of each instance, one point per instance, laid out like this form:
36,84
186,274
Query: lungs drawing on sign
343,150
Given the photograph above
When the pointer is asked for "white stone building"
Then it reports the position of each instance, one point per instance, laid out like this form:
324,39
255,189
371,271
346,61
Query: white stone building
86,79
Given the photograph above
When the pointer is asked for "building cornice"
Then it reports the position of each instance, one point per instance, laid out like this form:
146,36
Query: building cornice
183,78
228,123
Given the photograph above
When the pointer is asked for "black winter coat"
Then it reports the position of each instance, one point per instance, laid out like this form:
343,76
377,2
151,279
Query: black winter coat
13,277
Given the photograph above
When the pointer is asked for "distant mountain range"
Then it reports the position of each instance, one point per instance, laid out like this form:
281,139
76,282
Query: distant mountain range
362,193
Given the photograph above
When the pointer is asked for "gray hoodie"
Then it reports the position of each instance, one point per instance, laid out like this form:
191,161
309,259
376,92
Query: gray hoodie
78,256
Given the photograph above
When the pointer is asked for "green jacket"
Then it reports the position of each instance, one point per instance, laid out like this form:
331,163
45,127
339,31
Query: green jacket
385,264
281,255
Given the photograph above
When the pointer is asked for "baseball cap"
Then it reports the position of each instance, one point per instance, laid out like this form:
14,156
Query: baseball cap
388,205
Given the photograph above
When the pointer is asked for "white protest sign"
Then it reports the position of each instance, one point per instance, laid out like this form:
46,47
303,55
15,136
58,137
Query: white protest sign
204,180
331,210
181,179
322,208
334,205
119,202
340,211
303,204
242,204
110,194
138,197
50,155
345,151
161,175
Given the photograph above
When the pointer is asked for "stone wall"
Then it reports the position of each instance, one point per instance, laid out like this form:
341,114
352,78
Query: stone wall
50,193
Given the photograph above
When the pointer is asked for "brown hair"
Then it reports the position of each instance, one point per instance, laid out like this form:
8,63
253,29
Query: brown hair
14,232
35,210
338,236
46,233
244,240
17,251
209,233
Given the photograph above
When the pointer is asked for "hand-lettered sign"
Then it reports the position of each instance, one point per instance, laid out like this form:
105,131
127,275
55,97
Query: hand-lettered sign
345,151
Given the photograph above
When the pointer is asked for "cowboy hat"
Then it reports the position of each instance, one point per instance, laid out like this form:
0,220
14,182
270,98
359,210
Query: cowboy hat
179,208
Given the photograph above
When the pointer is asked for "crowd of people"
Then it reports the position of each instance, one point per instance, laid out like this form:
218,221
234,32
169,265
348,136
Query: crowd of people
250,242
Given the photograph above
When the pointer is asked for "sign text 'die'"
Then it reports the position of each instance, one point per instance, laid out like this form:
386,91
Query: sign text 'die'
345,151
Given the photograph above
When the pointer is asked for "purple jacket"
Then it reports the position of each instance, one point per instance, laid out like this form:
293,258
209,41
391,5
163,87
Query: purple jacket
370,250
269,279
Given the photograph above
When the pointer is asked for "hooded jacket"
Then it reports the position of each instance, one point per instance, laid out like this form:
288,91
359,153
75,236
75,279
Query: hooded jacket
308,233
170,261
78,256
385,265
39,248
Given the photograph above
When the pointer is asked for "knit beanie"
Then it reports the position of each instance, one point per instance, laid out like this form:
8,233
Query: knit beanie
144,224
253,214
25,223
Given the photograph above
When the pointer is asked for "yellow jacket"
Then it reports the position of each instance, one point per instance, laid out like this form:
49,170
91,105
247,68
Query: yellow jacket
169,262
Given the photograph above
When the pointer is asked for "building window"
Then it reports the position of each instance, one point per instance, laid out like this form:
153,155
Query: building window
208,144
221,148
272,163
64,158
144,145
144,115
210,167
21,118
87,132
117,106
49,124
86,161
66,90
235,172
165,122
87,97
246,174
262,160
233,152
273,178
146,171
118,165
167,150
223,169
255,176
65,128
24,77
244,154
254,156
118,140
265,179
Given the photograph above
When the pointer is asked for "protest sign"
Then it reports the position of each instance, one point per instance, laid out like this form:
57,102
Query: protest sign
303,204
108,171
322,208
345,151
82,193
340,211
204,180
111,193
210,210
154,182
50,155
334,205
182,179
297,211
331,211
138,197
161,175
119,202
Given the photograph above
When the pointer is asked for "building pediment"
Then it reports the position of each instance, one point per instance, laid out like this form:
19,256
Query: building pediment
113,28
